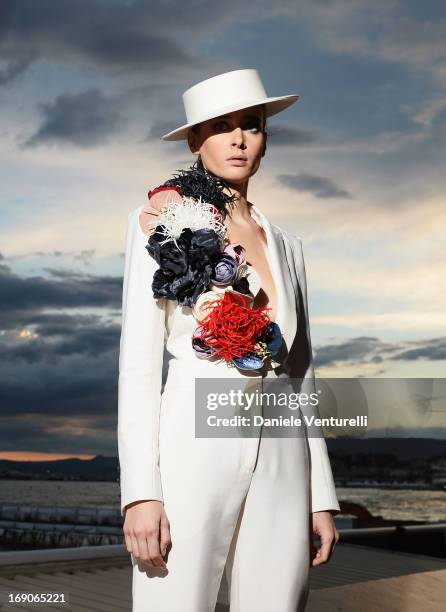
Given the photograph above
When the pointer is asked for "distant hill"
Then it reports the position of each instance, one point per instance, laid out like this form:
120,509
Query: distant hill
403,448
106,469
99,468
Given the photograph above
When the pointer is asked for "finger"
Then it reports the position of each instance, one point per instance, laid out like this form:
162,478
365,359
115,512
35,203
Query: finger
154,552
134,545
128,542
153,544
313,549
317,559
313,553
336,539
165,540
324,551
143,548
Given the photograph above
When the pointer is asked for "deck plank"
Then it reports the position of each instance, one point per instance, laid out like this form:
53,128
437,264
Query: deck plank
409,593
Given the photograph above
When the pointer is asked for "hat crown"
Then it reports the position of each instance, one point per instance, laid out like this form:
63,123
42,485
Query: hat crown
227,93
242,87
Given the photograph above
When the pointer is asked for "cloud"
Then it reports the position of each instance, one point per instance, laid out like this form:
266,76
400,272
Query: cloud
432,350
61,365
399,33
282,135
13,69
57,433
405,320
120,36
59,357
54,336
23,298
159,128
86,256
319,186
360,349
368,349
84,119
394,31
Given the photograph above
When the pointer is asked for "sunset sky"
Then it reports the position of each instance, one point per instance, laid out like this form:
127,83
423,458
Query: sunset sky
355,168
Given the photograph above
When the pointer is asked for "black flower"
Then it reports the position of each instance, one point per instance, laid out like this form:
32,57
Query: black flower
242,286
185,270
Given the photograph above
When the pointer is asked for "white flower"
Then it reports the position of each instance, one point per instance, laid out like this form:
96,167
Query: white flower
202,308
191,213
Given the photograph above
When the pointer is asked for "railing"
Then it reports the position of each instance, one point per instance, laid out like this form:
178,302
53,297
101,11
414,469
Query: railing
427,539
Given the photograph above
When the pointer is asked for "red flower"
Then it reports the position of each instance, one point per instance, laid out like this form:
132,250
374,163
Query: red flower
232,327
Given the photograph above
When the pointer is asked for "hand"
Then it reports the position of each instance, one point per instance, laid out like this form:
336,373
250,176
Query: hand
147,532
322,523
150,212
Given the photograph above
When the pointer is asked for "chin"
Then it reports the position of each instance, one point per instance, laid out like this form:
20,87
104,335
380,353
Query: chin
236,173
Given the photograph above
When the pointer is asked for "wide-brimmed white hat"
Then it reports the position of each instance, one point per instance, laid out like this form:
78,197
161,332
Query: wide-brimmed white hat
225,93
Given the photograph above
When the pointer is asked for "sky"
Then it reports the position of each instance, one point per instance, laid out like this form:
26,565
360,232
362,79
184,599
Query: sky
355,168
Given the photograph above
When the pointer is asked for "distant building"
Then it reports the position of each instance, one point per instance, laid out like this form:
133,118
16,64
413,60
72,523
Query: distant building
439,473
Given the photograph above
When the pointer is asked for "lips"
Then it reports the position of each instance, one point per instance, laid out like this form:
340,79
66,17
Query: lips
240,157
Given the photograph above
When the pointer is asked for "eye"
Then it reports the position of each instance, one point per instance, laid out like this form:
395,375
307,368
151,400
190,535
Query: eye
219,123
253,126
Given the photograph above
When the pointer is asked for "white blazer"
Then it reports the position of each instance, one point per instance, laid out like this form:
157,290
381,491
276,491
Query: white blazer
141,361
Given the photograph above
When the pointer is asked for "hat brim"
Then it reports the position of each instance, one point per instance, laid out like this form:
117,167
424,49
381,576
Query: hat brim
272,106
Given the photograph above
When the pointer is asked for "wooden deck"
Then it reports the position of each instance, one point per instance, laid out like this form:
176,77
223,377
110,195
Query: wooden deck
410,593
357,578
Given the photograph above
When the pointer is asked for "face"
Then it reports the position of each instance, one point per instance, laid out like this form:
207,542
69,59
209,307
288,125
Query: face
236,134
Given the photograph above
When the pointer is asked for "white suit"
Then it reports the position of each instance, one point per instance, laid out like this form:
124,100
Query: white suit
240,504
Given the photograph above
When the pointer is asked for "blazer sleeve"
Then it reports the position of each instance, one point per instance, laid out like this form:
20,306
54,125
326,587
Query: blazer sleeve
323,490
140,372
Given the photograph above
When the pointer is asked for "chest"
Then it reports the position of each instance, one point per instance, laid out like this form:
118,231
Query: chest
253,238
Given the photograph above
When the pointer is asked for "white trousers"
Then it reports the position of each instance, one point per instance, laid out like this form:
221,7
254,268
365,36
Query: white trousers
239,505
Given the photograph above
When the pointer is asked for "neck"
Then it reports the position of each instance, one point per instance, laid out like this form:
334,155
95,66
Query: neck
240,208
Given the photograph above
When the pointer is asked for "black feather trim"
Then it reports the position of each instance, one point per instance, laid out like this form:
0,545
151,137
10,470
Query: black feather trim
195,182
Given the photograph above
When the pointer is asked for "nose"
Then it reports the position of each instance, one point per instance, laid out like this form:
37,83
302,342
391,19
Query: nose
238,137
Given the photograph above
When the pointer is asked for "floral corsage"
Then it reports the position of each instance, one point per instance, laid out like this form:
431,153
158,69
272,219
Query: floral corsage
200,269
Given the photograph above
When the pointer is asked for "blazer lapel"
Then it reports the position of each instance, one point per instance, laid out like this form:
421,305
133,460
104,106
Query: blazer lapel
286,300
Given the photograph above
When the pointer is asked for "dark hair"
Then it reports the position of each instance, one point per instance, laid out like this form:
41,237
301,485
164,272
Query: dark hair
196,128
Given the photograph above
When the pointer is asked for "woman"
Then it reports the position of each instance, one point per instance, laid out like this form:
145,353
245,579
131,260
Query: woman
197,507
